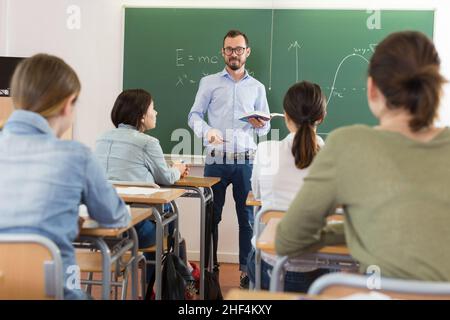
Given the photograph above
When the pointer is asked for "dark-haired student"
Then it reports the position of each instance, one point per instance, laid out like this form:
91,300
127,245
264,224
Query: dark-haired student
44,179
280,167
128,154
392,179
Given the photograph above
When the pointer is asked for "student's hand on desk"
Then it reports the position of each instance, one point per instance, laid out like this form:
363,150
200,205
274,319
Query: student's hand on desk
256,123
214,137
185,173
180,166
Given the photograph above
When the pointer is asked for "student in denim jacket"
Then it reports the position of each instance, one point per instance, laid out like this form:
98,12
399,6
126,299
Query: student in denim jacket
44,179
128,154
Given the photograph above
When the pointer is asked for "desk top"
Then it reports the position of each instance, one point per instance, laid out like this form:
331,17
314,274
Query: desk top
252,201
203,182
239,294
266,241
162,197
90,227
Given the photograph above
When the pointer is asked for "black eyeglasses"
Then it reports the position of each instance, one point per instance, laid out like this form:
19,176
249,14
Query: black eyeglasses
238,50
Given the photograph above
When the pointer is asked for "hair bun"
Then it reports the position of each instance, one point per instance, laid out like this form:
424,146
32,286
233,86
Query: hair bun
427,75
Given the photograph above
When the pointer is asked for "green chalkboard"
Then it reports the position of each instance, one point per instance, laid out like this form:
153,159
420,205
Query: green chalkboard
167,51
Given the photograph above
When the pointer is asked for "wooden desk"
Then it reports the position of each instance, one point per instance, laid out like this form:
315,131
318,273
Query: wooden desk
266,241
162,197
92,233
201,182
239,294
252,201
194,184
91,228
331,257
157,200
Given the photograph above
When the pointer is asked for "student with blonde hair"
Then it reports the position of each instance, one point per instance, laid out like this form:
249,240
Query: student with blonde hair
45,179
392,179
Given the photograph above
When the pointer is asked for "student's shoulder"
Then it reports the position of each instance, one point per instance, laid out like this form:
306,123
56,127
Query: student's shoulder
268,146
150,143
73,149
351,133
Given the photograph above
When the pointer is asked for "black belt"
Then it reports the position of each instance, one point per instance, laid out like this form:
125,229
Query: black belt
247,155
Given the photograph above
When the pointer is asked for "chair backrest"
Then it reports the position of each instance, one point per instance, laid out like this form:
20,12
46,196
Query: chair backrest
30,268
338,285
262,217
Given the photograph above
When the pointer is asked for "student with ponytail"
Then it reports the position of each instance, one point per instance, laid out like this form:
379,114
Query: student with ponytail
280,167
392,180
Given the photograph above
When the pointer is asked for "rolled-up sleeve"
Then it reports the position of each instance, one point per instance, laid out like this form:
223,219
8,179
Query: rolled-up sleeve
154,159
196,116
262,105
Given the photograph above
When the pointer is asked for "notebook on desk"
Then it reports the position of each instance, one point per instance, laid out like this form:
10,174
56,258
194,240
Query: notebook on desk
139,190
83,211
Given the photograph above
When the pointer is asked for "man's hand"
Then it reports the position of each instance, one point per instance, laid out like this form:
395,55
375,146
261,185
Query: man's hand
214,137
256,123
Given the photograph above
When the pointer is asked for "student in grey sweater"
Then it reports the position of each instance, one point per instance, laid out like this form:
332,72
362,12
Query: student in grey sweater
393,179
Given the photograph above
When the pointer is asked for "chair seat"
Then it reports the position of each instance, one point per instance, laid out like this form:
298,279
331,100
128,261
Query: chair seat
91,261
153,248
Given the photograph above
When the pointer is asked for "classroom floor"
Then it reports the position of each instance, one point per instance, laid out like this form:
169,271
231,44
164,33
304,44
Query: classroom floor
229,279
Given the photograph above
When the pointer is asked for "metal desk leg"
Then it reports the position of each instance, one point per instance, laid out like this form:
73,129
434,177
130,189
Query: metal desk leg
106,262
159,250
256,230
278,272
177,230
134,265
203,201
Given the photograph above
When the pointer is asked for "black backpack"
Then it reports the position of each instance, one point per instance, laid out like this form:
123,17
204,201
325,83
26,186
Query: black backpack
175,278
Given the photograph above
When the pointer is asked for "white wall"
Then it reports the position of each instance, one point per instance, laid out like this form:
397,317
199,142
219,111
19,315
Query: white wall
3,27
95,52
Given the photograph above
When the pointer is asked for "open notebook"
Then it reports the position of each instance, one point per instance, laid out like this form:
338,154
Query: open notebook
129,191
84,213
260,115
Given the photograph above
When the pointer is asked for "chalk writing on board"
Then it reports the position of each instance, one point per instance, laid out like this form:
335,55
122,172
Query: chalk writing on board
295,46
271,52
182,58
333,88
363,51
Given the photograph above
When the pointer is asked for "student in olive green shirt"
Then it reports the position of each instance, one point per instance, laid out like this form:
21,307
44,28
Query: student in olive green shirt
393,180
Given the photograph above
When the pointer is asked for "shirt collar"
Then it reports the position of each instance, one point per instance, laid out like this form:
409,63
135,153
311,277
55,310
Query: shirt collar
29,122
224,73
126,126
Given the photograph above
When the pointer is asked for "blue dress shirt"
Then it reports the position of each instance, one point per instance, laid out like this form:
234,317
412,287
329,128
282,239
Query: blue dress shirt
225,101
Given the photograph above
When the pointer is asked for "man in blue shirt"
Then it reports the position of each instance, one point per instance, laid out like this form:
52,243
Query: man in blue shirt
225,97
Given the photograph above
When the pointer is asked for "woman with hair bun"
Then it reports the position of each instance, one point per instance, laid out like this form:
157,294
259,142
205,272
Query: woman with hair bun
392,180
